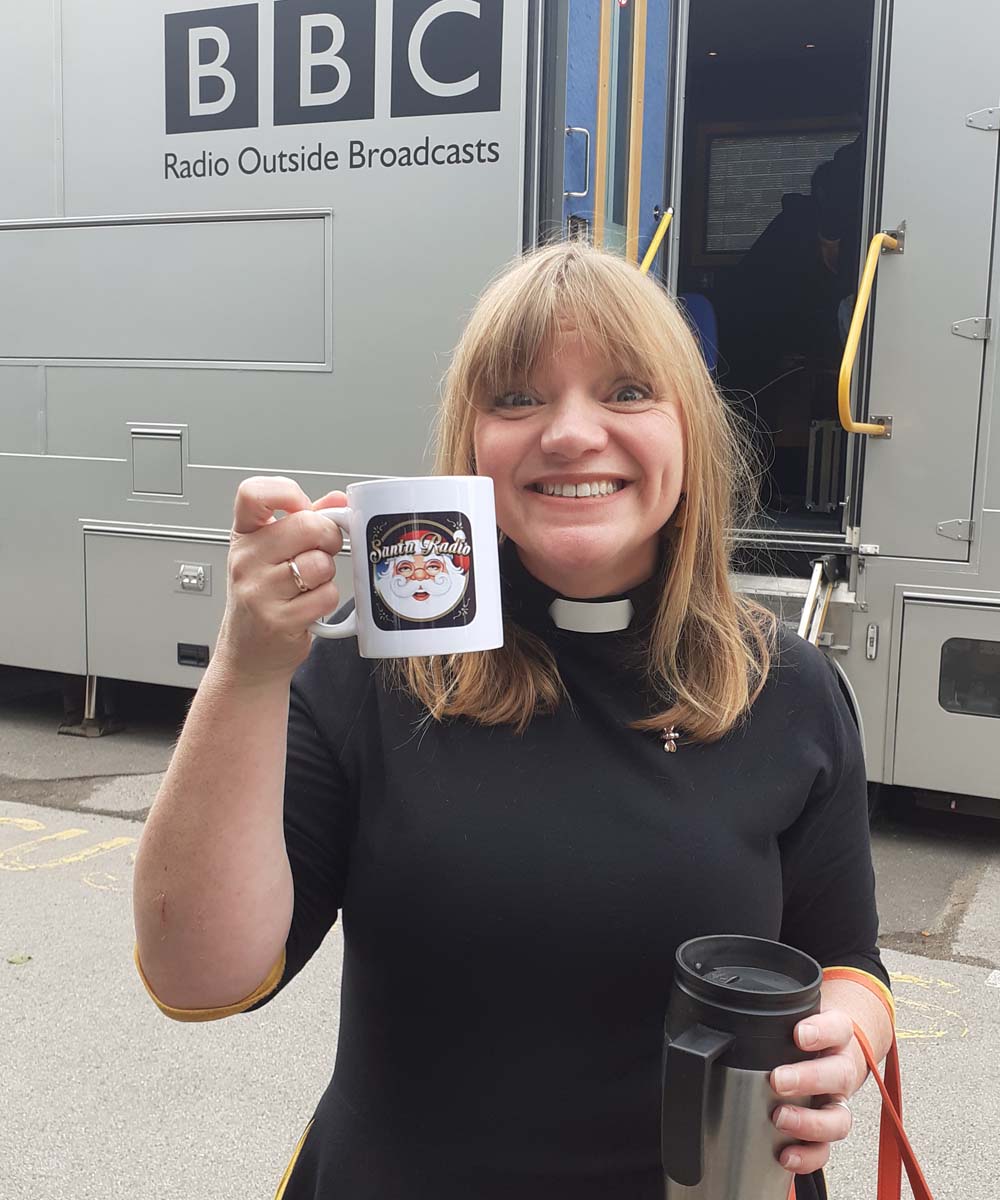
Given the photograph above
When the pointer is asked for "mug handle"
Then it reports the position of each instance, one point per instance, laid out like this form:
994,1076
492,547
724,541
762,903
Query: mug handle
348,627
686,1066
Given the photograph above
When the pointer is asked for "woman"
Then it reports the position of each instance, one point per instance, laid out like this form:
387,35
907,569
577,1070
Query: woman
515,856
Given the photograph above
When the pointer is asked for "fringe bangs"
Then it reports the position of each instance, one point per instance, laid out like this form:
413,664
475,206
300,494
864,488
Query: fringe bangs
617,312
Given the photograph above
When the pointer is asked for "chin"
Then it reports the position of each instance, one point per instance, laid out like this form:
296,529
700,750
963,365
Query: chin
591,565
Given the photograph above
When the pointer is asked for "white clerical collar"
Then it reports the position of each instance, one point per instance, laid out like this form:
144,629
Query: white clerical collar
591,616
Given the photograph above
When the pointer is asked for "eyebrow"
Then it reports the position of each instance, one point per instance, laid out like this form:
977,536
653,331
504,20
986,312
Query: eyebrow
630,377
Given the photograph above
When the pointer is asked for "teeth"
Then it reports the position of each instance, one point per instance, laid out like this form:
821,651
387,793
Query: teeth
603,487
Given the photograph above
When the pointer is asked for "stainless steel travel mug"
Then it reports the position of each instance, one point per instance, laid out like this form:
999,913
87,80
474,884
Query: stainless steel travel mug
733,1008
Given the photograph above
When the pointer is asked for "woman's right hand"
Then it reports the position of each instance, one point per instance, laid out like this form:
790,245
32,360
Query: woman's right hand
265,630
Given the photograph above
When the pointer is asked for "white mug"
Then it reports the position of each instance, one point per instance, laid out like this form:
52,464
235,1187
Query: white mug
425,565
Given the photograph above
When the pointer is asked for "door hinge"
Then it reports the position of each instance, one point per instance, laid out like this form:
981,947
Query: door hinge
976,328
986,118
958,530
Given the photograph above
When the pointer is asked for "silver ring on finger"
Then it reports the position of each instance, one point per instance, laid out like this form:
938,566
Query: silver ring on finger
300,583
844,1105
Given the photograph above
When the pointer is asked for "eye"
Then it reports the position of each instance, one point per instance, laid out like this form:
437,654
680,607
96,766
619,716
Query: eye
513,400
434,566
631,394
404,568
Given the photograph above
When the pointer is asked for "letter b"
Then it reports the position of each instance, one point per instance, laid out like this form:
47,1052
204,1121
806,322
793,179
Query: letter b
324,61
210,68
197,71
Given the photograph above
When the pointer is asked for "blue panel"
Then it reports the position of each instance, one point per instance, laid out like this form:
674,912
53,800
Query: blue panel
581,102
581,110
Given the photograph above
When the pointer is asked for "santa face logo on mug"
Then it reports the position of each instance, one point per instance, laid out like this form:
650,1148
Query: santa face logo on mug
421,571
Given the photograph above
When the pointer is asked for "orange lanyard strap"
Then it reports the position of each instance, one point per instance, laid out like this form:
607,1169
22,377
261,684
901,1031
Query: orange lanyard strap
894,1149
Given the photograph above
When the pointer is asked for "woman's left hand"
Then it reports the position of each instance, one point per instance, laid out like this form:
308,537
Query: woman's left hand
835,1075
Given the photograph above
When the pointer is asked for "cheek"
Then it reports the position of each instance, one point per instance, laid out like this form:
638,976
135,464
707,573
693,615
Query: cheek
480,448
665,446
680,463
497,447
680,441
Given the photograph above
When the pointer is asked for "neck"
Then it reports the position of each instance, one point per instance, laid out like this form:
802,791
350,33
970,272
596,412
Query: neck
587,583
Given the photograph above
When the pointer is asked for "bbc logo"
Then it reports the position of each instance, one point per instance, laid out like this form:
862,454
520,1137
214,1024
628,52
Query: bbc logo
446,58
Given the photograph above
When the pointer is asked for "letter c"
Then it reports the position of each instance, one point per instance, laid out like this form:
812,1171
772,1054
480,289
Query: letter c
432,86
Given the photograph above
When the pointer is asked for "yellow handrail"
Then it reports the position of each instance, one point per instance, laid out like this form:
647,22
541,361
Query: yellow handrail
603,116
879,241
636,106
654,245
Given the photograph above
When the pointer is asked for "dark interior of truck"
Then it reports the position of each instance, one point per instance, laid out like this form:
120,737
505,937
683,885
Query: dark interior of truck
776,113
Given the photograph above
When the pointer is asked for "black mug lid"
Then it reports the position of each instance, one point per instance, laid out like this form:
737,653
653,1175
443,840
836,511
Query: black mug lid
747,973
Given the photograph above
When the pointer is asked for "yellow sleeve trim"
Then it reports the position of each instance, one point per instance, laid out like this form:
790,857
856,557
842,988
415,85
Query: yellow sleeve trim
214,1014
283,1184
866,979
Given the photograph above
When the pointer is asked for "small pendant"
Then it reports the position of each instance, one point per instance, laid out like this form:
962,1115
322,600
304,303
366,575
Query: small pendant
670,737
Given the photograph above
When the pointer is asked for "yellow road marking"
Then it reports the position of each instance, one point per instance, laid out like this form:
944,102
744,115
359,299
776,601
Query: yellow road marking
936,1027
936,1011
923,981
12,859
25,824
104,882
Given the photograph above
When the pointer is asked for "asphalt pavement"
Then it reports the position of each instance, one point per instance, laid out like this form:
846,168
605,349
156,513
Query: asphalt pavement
103,1097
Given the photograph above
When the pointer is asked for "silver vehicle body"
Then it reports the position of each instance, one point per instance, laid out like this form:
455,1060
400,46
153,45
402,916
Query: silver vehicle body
243,239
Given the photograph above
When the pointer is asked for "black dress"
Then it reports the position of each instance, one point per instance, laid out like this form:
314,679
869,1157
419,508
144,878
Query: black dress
511,906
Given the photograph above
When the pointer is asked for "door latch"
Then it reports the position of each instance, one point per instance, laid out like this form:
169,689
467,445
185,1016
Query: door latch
194,577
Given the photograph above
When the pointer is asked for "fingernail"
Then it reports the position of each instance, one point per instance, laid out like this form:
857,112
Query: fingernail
792,1161
787,1079
787,1118
808,1035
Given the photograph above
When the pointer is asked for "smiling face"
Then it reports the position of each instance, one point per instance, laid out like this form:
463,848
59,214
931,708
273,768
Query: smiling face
587,466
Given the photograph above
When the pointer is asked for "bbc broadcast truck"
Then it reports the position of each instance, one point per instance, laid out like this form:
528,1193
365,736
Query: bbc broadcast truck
243,239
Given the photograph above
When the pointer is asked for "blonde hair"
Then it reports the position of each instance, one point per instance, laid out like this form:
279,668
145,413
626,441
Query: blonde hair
710,648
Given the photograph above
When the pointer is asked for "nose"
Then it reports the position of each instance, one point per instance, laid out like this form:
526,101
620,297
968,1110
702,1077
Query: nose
420,573
575,427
